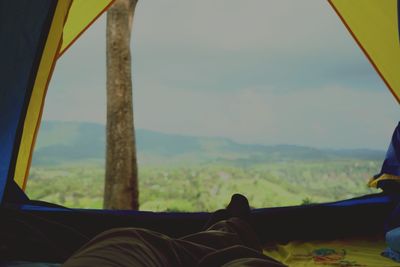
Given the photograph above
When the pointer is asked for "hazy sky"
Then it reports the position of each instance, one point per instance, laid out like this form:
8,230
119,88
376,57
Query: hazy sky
255,71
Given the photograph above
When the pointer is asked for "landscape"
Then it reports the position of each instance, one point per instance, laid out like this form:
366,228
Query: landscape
189,173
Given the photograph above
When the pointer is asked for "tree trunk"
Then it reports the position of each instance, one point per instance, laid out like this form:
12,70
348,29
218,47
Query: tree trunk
121,181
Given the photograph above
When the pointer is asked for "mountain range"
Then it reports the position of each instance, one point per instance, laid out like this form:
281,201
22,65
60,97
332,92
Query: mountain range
64,142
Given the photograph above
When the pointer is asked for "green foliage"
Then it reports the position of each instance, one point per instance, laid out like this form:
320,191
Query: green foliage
183,173
208,187
307,201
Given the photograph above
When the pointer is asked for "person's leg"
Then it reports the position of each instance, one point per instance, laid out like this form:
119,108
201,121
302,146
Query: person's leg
134,247
238,207
224,241
251,262
229,227
234,255
141,247
233,238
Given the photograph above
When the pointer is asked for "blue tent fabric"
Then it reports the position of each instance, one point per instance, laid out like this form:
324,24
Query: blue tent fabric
391,165
24,26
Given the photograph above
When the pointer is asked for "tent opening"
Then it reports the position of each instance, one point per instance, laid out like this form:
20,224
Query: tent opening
270,99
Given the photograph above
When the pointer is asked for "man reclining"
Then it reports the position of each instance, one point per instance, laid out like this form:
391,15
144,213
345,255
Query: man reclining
228,240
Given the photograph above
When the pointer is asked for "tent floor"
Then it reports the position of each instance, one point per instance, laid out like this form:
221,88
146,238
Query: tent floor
344,252
42,233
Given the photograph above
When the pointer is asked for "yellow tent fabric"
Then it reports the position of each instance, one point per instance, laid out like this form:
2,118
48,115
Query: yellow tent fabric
345,253
374,25
81,15
35,106
71,19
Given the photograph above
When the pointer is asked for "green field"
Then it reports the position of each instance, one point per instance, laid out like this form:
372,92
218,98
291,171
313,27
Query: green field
189,173
209,186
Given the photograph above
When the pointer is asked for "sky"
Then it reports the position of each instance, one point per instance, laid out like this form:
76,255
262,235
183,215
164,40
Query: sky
265,72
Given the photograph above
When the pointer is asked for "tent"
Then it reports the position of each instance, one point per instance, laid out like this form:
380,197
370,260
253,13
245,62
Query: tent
34,34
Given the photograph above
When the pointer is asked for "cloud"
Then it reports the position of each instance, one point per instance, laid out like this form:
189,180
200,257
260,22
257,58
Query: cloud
235,25
324,117
256,71
226,45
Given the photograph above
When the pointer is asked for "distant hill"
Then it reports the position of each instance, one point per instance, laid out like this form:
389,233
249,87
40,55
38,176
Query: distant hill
64,142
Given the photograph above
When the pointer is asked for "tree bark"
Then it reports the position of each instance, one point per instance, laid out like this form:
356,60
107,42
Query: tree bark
121,181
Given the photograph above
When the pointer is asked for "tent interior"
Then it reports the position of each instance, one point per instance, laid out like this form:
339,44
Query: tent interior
35,34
